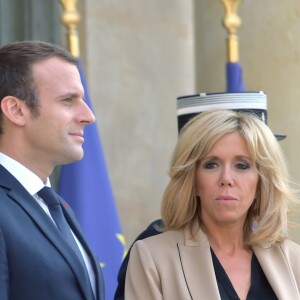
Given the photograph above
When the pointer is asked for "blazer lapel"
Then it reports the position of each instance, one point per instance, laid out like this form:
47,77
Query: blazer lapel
20,195
277,271
195,255
70,216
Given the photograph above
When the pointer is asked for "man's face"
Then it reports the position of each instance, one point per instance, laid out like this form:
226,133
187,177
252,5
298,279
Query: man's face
55,136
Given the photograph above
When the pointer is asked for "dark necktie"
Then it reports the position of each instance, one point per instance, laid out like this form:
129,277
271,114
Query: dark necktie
50,198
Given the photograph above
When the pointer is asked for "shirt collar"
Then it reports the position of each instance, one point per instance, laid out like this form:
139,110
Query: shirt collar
30,181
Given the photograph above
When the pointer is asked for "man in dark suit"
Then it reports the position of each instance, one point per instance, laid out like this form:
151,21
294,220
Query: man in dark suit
43,253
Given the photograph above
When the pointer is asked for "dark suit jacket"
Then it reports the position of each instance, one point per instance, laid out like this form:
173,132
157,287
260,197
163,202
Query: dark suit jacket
36,263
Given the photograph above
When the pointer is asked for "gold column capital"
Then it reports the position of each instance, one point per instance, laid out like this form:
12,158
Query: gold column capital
232,22
70,18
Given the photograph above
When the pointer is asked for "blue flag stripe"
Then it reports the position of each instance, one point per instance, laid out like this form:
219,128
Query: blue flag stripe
234,75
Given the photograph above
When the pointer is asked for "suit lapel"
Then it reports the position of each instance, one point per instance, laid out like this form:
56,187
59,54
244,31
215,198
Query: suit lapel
75,226
19,194
277,271
195,255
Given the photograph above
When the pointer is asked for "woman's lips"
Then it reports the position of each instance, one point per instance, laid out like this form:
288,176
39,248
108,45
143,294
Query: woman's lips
226,198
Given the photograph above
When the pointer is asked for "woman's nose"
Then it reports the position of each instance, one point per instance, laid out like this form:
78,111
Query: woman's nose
226,177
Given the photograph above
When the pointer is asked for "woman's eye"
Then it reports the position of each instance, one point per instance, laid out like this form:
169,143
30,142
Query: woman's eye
210,165
243,166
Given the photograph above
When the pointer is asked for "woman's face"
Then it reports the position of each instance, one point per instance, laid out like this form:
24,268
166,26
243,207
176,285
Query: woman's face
226,182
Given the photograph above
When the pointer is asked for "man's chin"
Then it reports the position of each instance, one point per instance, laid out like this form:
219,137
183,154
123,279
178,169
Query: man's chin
74,158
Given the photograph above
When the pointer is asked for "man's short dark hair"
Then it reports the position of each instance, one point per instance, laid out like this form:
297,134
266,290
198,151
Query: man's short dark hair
16,75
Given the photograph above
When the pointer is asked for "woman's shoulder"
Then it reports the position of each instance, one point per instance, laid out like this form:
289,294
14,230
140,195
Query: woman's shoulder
164,240
290,246
171,238
166,236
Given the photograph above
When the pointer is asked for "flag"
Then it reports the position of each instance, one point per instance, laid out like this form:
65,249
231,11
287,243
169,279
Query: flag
234,75
85,185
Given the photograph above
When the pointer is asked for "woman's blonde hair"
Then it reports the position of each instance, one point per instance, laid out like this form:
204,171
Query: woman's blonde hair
181,206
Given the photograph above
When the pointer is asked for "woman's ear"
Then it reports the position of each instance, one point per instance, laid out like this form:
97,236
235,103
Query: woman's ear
14,110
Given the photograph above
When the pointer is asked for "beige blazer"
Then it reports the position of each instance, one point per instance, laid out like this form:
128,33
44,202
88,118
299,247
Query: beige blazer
172,266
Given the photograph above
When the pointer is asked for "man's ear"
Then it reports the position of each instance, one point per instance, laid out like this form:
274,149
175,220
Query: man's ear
14,110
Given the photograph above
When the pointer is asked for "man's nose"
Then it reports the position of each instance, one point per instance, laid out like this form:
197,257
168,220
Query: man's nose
87,116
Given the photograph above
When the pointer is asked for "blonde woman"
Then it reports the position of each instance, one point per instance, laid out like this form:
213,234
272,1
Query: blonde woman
224,210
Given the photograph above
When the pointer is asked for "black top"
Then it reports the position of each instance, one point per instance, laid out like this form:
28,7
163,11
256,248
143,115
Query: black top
259,289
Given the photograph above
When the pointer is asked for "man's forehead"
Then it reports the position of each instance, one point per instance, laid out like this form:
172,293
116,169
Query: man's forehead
58,75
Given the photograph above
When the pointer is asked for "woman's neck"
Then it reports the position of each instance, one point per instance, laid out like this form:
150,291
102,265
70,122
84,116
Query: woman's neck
226,239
